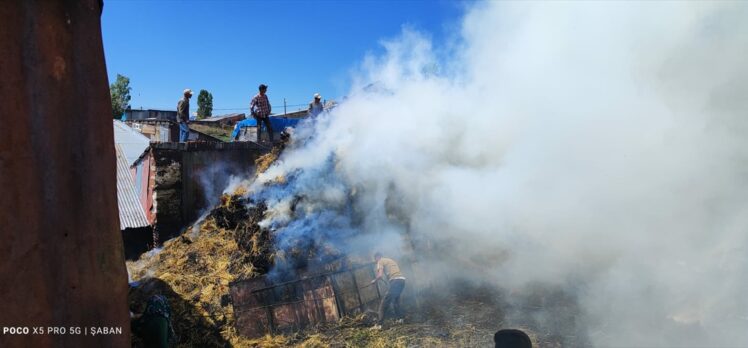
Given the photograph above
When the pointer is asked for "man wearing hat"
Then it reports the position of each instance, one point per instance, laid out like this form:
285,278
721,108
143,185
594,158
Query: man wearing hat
260,110
183,115
315,107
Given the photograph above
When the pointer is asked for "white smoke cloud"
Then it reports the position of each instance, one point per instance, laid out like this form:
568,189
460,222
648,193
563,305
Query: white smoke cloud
600,144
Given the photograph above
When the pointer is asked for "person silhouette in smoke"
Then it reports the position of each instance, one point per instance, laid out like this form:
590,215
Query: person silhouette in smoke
512,338
315,107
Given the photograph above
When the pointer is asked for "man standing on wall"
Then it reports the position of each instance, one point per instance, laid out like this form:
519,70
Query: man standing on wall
260,110
389,268
315,107
183,115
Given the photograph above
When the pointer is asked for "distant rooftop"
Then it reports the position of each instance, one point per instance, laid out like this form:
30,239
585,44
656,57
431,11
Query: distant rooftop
222,117
133,114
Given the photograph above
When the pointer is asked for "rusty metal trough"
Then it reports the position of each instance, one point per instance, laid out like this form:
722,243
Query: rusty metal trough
261,307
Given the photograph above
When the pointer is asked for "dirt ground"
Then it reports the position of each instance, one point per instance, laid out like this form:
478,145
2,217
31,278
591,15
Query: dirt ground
445,319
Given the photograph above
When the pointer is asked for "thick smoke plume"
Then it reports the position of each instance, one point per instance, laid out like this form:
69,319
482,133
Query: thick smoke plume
597,146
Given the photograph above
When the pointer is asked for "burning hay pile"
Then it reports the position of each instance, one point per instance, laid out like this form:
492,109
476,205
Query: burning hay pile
235,242
194,270
197,267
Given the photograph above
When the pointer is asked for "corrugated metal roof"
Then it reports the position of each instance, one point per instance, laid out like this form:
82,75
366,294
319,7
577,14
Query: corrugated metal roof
131,213
133,142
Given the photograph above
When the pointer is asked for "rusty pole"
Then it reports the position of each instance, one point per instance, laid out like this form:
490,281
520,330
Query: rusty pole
62,256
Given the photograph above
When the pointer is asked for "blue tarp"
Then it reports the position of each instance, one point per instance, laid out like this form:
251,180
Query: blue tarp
278,123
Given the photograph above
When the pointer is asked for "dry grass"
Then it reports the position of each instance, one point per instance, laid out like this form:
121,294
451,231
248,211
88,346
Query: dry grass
263,163
196,270
314,341
223,134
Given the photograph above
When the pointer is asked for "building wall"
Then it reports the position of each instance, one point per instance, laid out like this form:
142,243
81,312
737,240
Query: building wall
145,177
165,131
157,130
167,190
185,179
206,173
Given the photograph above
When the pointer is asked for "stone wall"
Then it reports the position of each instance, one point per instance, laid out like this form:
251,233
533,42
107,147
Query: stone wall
190,177
167,191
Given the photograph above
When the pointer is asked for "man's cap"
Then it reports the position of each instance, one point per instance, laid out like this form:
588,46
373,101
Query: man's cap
263,86
188,91
317,96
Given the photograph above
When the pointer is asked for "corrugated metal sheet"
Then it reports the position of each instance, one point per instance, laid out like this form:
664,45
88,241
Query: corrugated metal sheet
131,213
133,143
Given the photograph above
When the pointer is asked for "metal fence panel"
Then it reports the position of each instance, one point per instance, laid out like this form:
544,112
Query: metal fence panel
260,308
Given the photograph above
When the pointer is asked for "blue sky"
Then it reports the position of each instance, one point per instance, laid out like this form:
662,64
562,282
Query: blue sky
230,47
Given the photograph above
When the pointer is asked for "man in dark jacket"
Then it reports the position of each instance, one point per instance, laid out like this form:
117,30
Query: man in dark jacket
183,116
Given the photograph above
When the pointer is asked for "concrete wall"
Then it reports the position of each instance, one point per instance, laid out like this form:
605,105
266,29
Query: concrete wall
62,255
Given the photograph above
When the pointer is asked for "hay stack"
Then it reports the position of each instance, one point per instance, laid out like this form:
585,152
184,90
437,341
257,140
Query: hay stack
194,270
